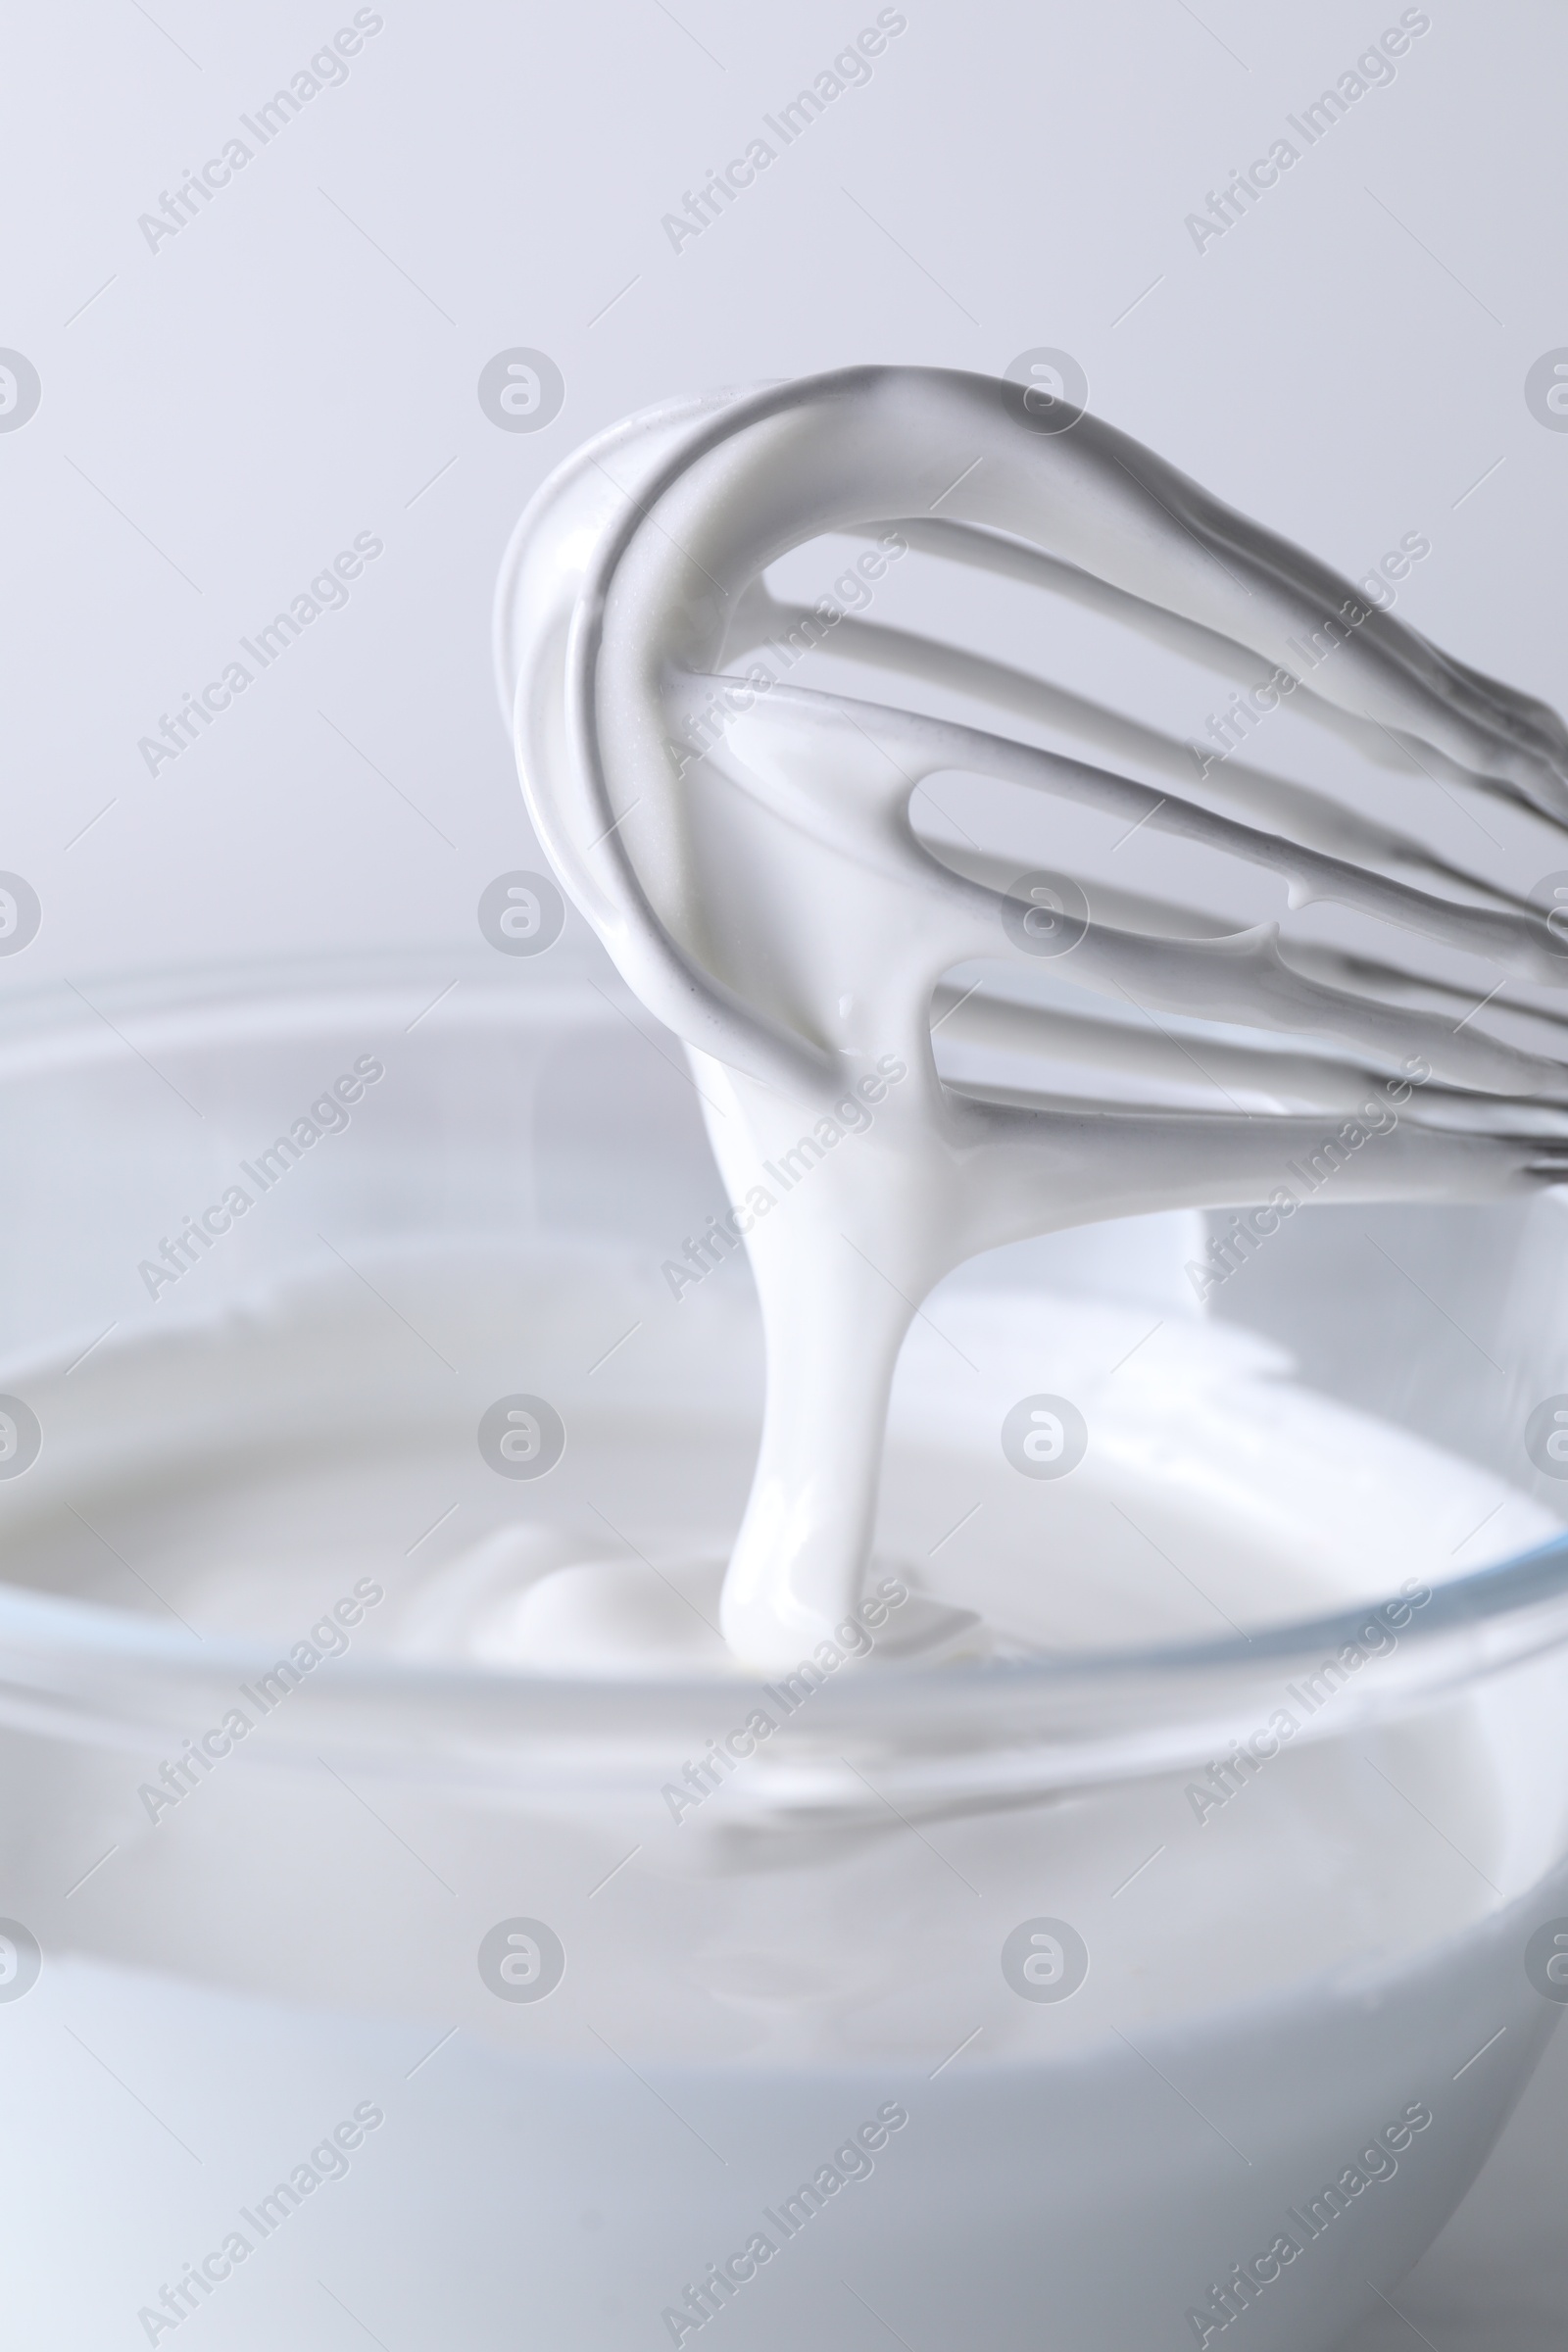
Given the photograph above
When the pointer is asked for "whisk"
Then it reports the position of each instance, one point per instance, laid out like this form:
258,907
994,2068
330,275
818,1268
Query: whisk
743,846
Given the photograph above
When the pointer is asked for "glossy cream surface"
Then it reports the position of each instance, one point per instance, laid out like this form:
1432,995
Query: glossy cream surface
743,846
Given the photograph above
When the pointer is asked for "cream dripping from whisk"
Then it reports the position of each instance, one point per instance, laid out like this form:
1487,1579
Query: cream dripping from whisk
772,903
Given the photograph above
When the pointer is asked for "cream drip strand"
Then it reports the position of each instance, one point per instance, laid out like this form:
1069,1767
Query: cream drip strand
771,903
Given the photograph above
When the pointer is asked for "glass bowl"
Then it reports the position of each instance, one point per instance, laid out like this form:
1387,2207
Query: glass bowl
366,1967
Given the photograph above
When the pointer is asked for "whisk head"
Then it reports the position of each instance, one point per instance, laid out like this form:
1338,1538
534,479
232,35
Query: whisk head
1185,891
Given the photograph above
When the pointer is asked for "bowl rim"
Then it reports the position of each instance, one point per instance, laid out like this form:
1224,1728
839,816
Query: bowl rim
1497,1614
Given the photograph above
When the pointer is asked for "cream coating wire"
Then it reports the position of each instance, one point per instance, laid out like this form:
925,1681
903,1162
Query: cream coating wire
772,903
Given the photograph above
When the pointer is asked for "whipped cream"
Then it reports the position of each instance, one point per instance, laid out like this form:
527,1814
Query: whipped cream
771,902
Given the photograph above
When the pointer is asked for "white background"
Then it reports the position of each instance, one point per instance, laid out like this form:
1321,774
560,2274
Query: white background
300,362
